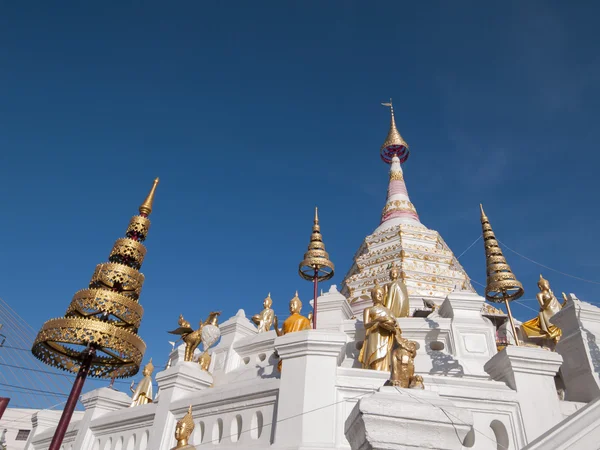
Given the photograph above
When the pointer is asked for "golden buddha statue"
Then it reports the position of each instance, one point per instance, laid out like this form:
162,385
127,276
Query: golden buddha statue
540,326
379,323
403,363
183,431
264,319
396,295
296,321
143,392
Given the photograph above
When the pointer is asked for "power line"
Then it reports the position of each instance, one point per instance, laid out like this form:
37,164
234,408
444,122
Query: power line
42,391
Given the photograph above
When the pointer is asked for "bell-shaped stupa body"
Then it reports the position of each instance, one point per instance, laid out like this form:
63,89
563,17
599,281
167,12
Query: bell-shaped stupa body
107,314
428,267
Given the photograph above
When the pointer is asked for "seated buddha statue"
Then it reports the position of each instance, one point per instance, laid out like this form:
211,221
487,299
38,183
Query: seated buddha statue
540,326
295,322
264,319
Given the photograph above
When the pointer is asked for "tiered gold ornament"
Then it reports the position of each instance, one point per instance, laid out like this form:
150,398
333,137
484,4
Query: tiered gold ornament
106,316
316,265
502,286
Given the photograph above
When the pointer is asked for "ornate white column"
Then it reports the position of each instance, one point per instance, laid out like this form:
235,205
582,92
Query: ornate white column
306,413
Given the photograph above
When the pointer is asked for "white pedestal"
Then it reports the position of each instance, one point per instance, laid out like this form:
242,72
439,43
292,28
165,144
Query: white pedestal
332,310
307,394
399,419
530,371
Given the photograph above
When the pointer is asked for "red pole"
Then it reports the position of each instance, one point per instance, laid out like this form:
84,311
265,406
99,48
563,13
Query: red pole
3,404
67,413
316,282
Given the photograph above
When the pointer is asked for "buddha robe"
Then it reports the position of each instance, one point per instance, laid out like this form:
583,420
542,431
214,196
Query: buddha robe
296,322
540,326
396,299
375,353
143,392
264,320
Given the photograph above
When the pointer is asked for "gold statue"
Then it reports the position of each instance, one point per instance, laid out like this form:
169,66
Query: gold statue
183,431
396,299
379,323
143,392
540,326
403,363
264,319
204,361
295,322
207,332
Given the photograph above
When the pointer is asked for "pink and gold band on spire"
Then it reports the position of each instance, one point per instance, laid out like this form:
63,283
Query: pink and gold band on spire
398,204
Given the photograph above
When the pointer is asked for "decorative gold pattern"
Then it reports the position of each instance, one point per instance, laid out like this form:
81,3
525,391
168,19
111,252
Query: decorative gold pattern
398,205
396,176
88,302
106,316
316,259
56,344
128,248
118,276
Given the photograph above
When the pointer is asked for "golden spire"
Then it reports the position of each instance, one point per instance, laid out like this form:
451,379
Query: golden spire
501,286
146,207
316,260
394,144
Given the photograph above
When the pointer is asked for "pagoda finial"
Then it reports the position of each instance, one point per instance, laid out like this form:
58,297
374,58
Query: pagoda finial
146,207
316,215
394,145
316,260
501,286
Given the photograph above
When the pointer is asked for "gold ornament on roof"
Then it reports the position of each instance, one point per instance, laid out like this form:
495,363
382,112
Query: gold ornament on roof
316,259
502,286
183,431
540,326
102,322
207,332
394,144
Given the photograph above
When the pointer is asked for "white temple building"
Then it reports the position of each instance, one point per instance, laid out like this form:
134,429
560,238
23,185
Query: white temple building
475,397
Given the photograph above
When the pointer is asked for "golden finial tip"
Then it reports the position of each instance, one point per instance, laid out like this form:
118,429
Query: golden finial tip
190,409
146,207
316,214
296,292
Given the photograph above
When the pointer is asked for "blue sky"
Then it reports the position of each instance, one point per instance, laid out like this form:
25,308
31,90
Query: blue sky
253,113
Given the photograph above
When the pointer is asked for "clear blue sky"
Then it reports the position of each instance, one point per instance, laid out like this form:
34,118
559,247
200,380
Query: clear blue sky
252,113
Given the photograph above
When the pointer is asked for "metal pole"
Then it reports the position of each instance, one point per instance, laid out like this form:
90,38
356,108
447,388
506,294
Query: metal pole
3,404
512,322
316,283
67,413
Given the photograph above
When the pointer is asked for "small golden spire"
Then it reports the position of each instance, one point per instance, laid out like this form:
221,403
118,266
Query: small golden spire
316,259
501,286
394,140
146,207
482,212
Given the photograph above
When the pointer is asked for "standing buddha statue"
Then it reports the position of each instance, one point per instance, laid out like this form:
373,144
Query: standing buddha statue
142,394
396,299
540,326
264,319
379,325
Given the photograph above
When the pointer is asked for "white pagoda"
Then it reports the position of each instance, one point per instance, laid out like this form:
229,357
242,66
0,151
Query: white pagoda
475,396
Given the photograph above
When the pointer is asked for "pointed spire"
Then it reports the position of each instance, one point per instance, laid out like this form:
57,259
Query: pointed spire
146,207
393,145
501,282
398,204
316,258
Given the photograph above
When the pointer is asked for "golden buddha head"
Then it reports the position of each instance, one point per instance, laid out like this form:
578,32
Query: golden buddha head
377,294
394,272
148,369
184,428
543,284
268,302
295,304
